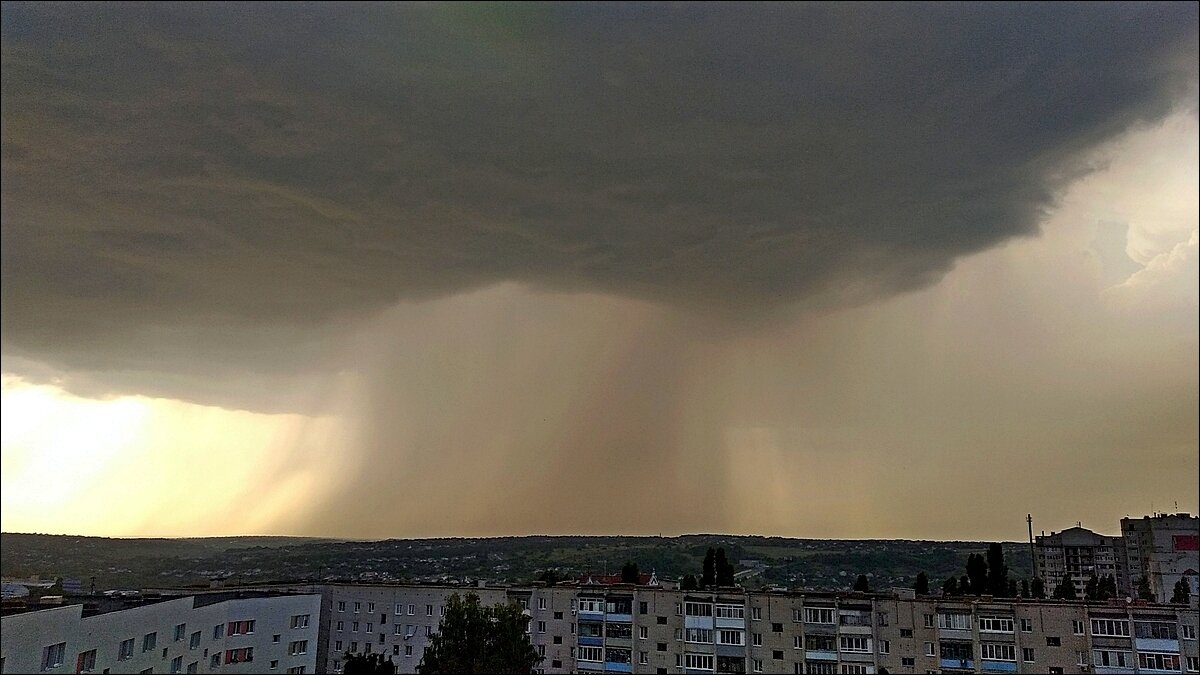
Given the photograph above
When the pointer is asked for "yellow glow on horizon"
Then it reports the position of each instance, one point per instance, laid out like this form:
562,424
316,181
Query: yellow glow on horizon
141,466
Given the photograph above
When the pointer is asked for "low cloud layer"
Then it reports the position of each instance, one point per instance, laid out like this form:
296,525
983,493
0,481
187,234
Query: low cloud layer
193,191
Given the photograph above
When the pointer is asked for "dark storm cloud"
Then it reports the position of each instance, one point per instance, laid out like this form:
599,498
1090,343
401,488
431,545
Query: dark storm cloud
188,187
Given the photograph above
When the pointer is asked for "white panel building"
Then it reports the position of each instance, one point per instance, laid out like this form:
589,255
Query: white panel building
197,634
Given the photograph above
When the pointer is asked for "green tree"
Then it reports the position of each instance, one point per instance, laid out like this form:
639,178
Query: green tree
1108,587
997,571
1012,588
1143,590
724,570
1037,588
551,577
367,664
1024,588
688,583
964,585
708,577
922,585
861,584
977,574
629,573
950,586
1091,589
1065,589
1182,593
476,639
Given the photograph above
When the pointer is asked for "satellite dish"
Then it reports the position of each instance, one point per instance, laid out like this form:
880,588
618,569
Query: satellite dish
1128,600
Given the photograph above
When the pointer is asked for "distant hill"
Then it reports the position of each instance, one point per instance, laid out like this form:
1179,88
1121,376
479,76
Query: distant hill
817,564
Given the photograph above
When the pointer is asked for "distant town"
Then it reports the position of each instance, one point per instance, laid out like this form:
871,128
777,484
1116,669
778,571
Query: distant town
1067,601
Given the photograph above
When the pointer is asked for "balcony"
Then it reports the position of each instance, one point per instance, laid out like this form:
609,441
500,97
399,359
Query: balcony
589,665
614,616
587,641
820,655
957,664
614,667
989,666
1156,645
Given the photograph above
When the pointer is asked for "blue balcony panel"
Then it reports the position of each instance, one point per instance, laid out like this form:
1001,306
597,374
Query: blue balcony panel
624,618
990,666
589,665
591,641
611,667
957,664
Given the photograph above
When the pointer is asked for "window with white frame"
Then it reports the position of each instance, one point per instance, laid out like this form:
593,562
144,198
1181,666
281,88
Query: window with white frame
997,651
757,665
1156,630
1110,627
697,609
593,654
756,613
1193,664
1026,625
643,632
855,669
341,605
1158,661
1077,627
595,605
412,610
855,643
1081,658
885,647
698,661
954,621
299,621
797,642
53,655
86,661
699,635
125,650
756,639
730,637
194,641
1112,658
541,603
370,627
929,649
730,612
995,624
1028,655
298,647
1187,631
818,615
370,607
357,607
177,664
429,610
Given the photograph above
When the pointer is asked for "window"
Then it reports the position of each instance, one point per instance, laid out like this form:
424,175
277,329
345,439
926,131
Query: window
818,615
1026,625
298,647
994,651
412,609
618,655
370,627
556,663
756,613
370,608
354,627
797,642
274,664
541,626
1027,655
948,621
1193,664
906,632
300,621
193,667
149,641
662,620
1053,642
855,669
643,608
341,625
125,651
86,661
177,664
757,665
730,612
1112,658
341,606
594,654
429,608
777,654
819,668
929,649
53,655
1156,630
697,609
428,631
1110,627
1077,627
297,670
408,650
995,624
1188,632
593,605
885,647
908,662
855,619
730,637
180,631
756,639
698,661
337,646
661,646
699,635
275,639
855,643
541,650
242,655
353,647
194,642
558,639
1158,661
557,615
215,661
881,618
929,621
820,643
357,607
776,628
240,627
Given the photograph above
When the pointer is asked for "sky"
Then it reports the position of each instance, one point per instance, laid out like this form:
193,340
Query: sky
844,271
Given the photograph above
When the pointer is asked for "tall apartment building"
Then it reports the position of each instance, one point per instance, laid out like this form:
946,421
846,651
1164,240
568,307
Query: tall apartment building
646,629
1079,553
1164,548
210,633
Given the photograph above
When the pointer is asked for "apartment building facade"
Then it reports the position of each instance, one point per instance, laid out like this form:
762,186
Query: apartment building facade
643,629
210,633
1078,553
1163,548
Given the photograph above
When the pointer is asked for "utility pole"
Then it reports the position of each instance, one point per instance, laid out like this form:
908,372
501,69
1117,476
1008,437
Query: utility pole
1033,571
